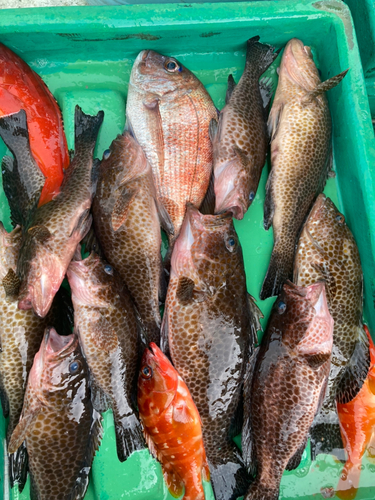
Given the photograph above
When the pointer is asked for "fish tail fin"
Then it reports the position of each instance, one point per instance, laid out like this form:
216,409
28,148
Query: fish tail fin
86,129
229,477
258,491
18,465
259,56
280,269
129,435
348,484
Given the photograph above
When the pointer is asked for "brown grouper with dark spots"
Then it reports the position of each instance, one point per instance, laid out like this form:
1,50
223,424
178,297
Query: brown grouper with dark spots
301,156
285,385
327,251
127,217
106,325
240,140
61,429
52,232
209,326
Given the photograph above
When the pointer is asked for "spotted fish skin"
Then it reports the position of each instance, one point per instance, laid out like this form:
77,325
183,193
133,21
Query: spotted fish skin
127,226
240,144
300,124
106,324
327,251
54,230
61,428
286,387
210,330
169,112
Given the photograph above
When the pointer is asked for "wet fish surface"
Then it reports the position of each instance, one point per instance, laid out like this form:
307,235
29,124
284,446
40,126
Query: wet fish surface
327,251
169,111
301,156
172,425
127,218
52,232
240,139
60,426
106,324
209,327
285,384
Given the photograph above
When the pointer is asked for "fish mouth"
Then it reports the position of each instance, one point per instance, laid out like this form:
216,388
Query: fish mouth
82,268
296,52
39,302
201,222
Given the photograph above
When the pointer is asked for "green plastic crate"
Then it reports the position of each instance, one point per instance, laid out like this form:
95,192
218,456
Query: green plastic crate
85,56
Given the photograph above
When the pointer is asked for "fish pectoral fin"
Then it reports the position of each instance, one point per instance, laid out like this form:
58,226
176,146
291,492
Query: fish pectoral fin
357,369
231,87
150,444
322,88
274,120
247,437
40,233
173,481
121,207
164,218
23,428
212,129
317,359
103,335
83,224
208,204
206,472
182,414
242,156
266,87
185,290
4,398
269,205
295,460
323,270
11,284
99,400
164,333
255,316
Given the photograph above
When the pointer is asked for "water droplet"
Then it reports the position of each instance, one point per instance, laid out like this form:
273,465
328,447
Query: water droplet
327,492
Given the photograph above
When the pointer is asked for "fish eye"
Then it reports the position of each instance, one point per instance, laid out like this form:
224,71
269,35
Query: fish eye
172,66
108,269
231,243
281,307
147,372
340,218
106,154
251,195
74,367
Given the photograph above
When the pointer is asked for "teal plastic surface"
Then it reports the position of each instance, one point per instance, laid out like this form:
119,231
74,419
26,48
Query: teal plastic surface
85,56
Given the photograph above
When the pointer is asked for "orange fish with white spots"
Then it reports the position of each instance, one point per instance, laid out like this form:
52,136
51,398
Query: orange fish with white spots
172,425
357,424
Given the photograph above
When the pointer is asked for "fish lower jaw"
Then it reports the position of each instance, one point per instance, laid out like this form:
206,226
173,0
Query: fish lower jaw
237,210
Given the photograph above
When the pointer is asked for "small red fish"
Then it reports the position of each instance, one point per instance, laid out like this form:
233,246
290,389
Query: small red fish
172,425
357,424
22,88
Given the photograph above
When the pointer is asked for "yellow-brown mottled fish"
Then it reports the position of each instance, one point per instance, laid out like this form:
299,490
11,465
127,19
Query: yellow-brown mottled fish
61,429
300,124
210,324
285,385
52,232
106,325
240,141
169,112
327,251
127,219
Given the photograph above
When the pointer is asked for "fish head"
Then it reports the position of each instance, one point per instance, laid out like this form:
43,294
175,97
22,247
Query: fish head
157,382
297,69
207,249
59,373
234,191
91,281
9,248
303,316
159,75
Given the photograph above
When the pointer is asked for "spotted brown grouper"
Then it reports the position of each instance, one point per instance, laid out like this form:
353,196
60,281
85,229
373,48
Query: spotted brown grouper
327,251
52,232
240,140
106,324
127,217
210,325
169,111
300,127
285,385
61,429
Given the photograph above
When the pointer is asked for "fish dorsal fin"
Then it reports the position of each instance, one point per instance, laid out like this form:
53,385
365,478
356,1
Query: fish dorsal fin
185,290
231,87
93,443
104,336
323,87
23,428
255,316
11,284
164,218
121,208
40,233
269,204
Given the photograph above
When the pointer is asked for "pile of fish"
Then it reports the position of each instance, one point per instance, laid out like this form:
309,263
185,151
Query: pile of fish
186,383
